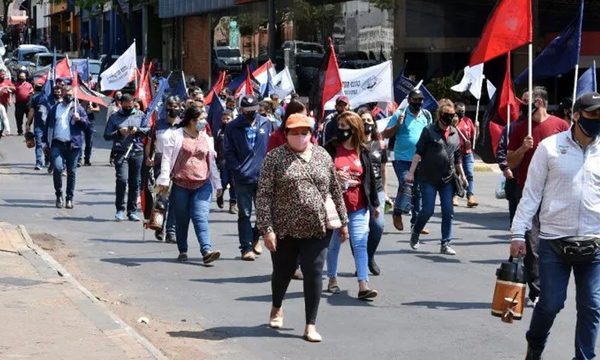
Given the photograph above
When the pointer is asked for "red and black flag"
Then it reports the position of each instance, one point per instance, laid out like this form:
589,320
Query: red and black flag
328,85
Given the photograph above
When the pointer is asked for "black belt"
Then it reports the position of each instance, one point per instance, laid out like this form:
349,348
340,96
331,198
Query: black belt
60,141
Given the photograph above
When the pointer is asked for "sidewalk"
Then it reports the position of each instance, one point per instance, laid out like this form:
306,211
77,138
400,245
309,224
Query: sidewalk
49,315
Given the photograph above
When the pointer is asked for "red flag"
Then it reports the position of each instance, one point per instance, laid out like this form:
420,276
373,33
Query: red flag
329,82
140,78
509,27
144,89
216,89
247,87
507,97
82,92
63,70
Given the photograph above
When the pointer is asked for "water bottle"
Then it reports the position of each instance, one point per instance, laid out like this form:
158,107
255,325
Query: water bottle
406,199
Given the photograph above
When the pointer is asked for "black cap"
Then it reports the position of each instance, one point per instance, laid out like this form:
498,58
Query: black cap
416,94
588,102
249,103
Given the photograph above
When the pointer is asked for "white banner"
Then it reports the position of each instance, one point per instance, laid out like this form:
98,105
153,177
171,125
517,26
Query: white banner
283,84
472,81
121,72
363,86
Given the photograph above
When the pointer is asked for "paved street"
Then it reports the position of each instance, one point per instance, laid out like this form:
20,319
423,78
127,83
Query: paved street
430,306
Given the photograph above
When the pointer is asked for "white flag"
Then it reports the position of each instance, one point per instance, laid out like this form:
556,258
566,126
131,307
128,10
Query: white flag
283,85
119,74
363,86
472,81
491,89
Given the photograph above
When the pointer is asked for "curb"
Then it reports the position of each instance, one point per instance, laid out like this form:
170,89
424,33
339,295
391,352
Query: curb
52,263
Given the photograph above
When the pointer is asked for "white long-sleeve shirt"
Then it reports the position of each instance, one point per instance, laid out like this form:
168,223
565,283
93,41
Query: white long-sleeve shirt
563,182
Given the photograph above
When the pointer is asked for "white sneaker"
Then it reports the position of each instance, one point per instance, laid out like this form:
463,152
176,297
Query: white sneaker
447,250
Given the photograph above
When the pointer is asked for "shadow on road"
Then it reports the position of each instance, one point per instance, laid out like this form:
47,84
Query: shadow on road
269,297
125,241
83,219
440,259
259,279
449,305
228,332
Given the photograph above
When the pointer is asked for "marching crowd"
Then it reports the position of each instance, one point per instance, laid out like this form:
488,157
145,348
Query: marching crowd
316,185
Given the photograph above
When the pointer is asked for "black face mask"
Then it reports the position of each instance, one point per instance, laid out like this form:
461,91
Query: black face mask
589,127
446,119
127,112
173,113
250,115
67,98
56,97
416,106
369,129
460,114
343,134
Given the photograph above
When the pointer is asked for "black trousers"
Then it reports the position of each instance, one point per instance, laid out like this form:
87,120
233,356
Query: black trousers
312,258
513,195
21,111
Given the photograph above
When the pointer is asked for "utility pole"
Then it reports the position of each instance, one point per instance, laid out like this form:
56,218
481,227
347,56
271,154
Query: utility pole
271,30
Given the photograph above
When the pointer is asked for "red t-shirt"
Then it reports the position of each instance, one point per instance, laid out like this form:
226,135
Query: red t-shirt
348,160
23,92
539,131
467,129
5,93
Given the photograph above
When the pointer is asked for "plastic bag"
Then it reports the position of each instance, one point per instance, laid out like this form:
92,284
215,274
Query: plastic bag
500,191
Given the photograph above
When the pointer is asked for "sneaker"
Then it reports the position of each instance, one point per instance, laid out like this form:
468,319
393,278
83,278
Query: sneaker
120,216
248,256
414,241
159,235
182,257
233,209
50,169
447,250
220,202
532,301
471,202
211,256
59,202
533,354
398,222
69,204
171,238
133,217
374,268
87,163
257,247
37,168
367,294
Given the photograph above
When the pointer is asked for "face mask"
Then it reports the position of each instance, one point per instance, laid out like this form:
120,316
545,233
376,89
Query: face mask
590,127
56,97
250,115
201,125
446,119
21,80
67,98
344,134
416,106
298,142
37,89
368,129
173,113
127,112
460,114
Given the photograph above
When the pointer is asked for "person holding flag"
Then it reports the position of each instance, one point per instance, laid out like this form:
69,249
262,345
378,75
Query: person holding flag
127,128
63,136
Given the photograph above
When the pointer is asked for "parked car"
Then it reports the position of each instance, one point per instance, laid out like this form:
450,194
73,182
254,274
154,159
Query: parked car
227,58
307,71
302,47
23,57
355,60
94,68
41,63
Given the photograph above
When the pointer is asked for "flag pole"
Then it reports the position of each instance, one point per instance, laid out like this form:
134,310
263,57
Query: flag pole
575,87
476,121
530,78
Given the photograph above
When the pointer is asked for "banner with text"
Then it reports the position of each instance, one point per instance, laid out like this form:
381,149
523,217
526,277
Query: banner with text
119,74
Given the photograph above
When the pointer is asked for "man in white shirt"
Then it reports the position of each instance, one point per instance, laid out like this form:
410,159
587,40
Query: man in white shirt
563,182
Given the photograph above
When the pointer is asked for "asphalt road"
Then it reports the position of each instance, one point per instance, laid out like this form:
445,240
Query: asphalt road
430,306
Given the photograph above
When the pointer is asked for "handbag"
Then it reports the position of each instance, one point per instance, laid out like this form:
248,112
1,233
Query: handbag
576,249
332,218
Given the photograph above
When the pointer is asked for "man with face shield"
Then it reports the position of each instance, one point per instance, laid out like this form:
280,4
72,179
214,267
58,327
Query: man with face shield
127,128
245,147
563,190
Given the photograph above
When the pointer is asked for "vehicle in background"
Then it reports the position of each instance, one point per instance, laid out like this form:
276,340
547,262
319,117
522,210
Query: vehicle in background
302,47
23,57
307,71
94,68
355,60
41,64
227,58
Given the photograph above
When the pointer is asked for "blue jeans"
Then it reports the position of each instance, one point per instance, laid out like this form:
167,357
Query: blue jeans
376,225
246,195
428,194
227,179
554,279
469,168
39,147
192,205
401,169
62,154
128,177
358,227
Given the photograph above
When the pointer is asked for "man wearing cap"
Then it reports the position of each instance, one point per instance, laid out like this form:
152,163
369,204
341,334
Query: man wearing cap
563,187
342,104
245,147
407,125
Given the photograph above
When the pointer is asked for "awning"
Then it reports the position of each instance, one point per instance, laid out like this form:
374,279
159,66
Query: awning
17,19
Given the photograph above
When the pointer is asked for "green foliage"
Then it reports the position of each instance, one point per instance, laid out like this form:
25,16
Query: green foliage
440,87
383,4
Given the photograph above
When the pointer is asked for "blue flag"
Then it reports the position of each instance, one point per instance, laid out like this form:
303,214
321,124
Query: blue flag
82,67
561,55
587,81
268,88
48,94
404,85
234,84
180,89
215,112
157,100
